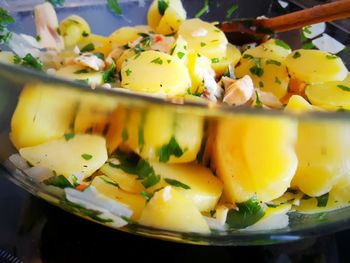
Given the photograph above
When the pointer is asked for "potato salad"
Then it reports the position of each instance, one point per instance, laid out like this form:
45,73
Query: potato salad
157,167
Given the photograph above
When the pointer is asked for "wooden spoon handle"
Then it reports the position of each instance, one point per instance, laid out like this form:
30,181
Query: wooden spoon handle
320,13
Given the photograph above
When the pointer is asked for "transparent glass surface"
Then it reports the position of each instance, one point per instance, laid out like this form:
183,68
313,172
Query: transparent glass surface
14,79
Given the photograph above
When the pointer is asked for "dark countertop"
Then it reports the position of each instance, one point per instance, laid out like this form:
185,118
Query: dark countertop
35,231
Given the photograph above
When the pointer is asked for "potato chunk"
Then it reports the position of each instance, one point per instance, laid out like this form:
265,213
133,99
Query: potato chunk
76,72
73,29
82,154
155,72
170,210
255,156
323,150
42,114
332,95
166,19
204,189
204,38
315,66
109,188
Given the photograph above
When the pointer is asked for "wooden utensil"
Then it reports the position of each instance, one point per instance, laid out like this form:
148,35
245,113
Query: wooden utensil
261,28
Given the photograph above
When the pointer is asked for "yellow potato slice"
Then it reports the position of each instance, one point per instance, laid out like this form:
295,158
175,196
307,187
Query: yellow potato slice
82,154
233,55
254,156
204,38
332,95
76,72
109,188
155,72
42,114
297,104
73,29
315,66
7,57
170,210
204,188
323,149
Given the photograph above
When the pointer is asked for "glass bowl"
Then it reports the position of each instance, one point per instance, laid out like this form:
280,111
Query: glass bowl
14,79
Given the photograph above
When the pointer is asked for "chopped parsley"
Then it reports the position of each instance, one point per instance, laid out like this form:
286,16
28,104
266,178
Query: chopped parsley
16,59
37,38
231,10
146,195
81,71
56,3
173,49
114,6
306,197
331,56
273,62
308,45
203,44
109,75
162,6
30,61
215,60
100,55
204,9
248,213
86,156
85,34
111,182
128,72
169,61
307,30
69,136
125,135
180,55
322,200
261,84
5,17
167,150
157,60
296,55
343,87
247,56
177,183
133,164
277,80
58,181
256,70
283,44
144,43
258,103
88,48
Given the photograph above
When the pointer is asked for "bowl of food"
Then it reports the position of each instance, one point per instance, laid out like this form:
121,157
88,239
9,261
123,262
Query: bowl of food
150,121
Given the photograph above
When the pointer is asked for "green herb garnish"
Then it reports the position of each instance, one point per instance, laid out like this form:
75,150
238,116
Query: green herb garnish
180,55
167,150
128,72
177,183
100,55
248,213
114,6
331,56
56,3
69,136
277,80
203,44
33,62
261,84
146,195
109,75
231,10
109,182
273,62
81,71
258,103
308,45
343,87
157,60
58,181
247,56
89,47
215,60
204,9
162,6
256,70
296,55
86,156
283,44
322,200
85,34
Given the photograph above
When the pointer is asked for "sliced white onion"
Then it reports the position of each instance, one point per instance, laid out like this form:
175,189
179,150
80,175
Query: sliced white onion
91,199
39,174
315,30
214,224
328,44
284,4
22,46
